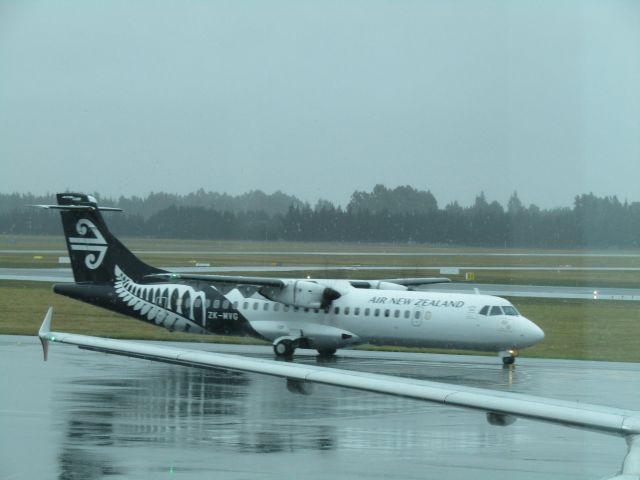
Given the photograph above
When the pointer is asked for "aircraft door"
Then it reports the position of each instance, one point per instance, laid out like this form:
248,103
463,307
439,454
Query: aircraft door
419,316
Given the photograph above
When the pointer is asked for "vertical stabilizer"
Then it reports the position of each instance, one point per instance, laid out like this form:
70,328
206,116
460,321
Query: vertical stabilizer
93,250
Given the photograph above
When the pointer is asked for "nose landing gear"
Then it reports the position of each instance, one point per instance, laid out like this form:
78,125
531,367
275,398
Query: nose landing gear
508,356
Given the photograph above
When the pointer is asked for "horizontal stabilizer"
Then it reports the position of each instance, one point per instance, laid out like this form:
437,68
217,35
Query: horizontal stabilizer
78,207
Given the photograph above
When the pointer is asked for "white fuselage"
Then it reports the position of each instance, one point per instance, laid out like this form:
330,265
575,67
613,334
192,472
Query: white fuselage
402,318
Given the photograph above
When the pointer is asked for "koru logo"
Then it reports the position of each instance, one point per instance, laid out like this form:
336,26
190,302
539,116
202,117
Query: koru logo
97,245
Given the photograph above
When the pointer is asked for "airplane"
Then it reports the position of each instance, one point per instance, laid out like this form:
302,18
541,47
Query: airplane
323,314
501,408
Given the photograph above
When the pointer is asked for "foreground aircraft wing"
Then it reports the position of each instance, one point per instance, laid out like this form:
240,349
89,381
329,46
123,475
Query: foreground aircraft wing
501,408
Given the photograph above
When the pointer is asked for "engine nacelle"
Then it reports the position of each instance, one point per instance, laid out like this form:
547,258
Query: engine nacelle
301,293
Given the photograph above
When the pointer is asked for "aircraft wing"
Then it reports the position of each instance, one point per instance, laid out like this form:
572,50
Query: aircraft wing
230,279
412,282
501,407
281,283
402,282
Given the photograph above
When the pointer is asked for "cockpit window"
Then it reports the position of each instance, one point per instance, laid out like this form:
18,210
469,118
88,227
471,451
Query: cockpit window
509,310
495,310
484,310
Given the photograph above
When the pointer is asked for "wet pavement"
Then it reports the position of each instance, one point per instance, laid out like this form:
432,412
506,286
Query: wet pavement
91,416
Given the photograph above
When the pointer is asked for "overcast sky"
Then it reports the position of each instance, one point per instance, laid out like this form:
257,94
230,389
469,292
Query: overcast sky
321,98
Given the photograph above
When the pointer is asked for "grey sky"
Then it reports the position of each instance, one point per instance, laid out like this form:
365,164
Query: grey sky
319,99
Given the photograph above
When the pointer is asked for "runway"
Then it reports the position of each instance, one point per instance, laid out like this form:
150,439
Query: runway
90,415
506,290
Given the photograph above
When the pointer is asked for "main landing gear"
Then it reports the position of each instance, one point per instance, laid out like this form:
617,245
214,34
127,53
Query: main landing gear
326,352
285,347
509,356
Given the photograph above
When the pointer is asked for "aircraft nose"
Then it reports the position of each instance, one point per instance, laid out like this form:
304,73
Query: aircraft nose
533,332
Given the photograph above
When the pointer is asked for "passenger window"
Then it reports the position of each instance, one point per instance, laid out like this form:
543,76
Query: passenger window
484,310
225,304
235,305
396,314
255,305
496,310
346,310
376,312
386,312
296,309
406,314
306,310
216,304
336,310
417,314
366,312
285,308
266,306
276,307
315,310
356,311
245,305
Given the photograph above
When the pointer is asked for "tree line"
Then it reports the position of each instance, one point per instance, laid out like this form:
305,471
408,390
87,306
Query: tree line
400,215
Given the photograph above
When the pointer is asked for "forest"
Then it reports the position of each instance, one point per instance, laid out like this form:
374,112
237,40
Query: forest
397,215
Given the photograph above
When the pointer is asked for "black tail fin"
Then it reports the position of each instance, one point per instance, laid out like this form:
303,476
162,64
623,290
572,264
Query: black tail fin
93,250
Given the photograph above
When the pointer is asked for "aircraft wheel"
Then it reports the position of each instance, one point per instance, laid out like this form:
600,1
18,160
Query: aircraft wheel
509,360
326,352
284,348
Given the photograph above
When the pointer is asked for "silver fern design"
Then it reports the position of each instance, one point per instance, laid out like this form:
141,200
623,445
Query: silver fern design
173,306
